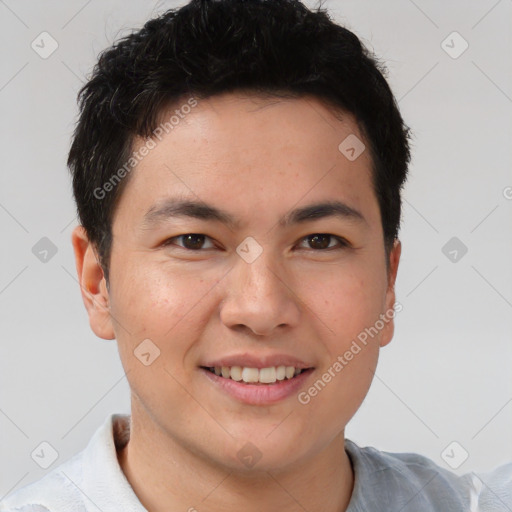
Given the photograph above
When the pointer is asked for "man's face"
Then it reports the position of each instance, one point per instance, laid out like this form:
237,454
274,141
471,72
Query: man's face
259,293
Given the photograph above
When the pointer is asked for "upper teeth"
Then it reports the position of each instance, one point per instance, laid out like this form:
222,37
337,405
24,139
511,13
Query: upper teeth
263,375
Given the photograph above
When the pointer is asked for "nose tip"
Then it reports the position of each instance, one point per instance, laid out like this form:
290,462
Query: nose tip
258,300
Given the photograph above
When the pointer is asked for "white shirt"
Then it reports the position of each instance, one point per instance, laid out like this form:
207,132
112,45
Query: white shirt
93,481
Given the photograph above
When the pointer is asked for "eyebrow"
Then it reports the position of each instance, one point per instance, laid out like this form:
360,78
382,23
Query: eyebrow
174,208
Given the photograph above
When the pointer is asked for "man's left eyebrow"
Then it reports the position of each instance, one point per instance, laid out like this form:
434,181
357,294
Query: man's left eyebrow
321,210
172,208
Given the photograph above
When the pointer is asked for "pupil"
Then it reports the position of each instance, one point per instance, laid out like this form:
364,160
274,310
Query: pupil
199,239
314,240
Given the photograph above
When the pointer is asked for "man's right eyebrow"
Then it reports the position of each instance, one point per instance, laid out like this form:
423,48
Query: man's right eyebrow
172,208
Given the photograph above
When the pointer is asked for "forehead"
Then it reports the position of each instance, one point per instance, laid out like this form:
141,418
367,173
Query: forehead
246,120
254,152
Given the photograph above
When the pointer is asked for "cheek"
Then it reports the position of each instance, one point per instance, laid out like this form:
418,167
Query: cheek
156,302
348,308
346,303
170,309
349,304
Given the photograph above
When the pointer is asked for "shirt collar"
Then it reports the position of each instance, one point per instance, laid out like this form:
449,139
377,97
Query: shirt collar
106,488
104,483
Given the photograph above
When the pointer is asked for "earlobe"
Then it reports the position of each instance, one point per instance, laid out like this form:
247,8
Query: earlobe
394,260
92,284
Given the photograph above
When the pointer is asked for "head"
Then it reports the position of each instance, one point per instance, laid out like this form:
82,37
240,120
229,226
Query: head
243,108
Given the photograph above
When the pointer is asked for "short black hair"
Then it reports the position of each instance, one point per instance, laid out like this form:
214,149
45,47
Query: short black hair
276,48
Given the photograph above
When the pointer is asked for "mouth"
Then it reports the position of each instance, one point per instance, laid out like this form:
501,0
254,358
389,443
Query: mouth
257,386
257,376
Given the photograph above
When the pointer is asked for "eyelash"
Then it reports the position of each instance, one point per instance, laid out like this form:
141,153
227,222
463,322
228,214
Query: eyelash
342,242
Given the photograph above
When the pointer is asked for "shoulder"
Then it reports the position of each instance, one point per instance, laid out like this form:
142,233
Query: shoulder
414,482
74,483
55,492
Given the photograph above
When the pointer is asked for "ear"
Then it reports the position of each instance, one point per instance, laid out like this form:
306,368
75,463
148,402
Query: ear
394,259
92,284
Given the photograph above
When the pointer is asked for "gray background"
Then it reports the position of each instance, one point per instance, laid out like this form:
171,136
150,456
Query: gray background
446,375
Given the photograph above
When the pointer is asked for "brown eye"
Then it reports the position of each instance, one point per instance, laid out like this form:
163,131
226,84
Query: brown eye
190,241
322,241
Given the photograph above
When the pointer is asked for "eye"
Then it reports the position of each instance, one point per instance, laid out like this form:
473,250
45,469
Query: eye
191,241
321,241
317,242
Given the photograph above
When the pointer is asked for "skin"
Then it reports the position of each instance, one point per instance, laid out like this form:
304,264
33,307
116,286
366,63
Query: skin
258,159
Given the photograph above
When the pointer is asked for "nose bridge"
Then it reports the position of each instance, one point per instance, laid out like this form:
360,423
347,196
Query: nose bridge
257,296
261,276
255,263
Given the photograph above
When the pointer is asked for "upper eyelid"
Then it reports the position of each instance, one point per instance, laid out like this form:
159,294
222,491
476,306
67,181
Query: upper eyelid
165,242
341,240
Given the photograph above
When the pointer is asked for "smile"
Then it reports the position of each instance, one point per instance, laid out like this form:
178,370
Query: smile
257,386
269,375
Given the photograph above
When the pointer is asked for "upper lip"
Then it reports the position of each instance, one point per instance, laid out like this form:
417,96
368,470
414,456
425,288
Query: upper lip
253,361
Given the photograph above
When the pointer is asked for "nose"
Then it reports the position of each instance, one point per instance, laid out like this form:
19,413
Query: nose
259,296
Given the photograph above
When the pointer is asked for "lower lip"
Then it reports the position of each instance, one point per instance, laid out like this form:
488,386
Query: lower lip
259,394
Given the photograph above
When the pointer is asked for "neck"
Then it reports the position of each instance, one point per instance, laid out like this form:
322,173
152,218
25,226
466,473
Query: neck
167,475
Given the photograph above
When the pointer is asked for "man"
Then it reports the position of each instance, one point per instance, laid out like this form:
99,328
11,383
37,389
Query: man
237,169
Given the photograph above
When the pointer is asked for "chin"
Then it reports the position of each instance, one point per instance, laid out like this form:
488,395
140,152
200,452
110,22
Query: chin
253,454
